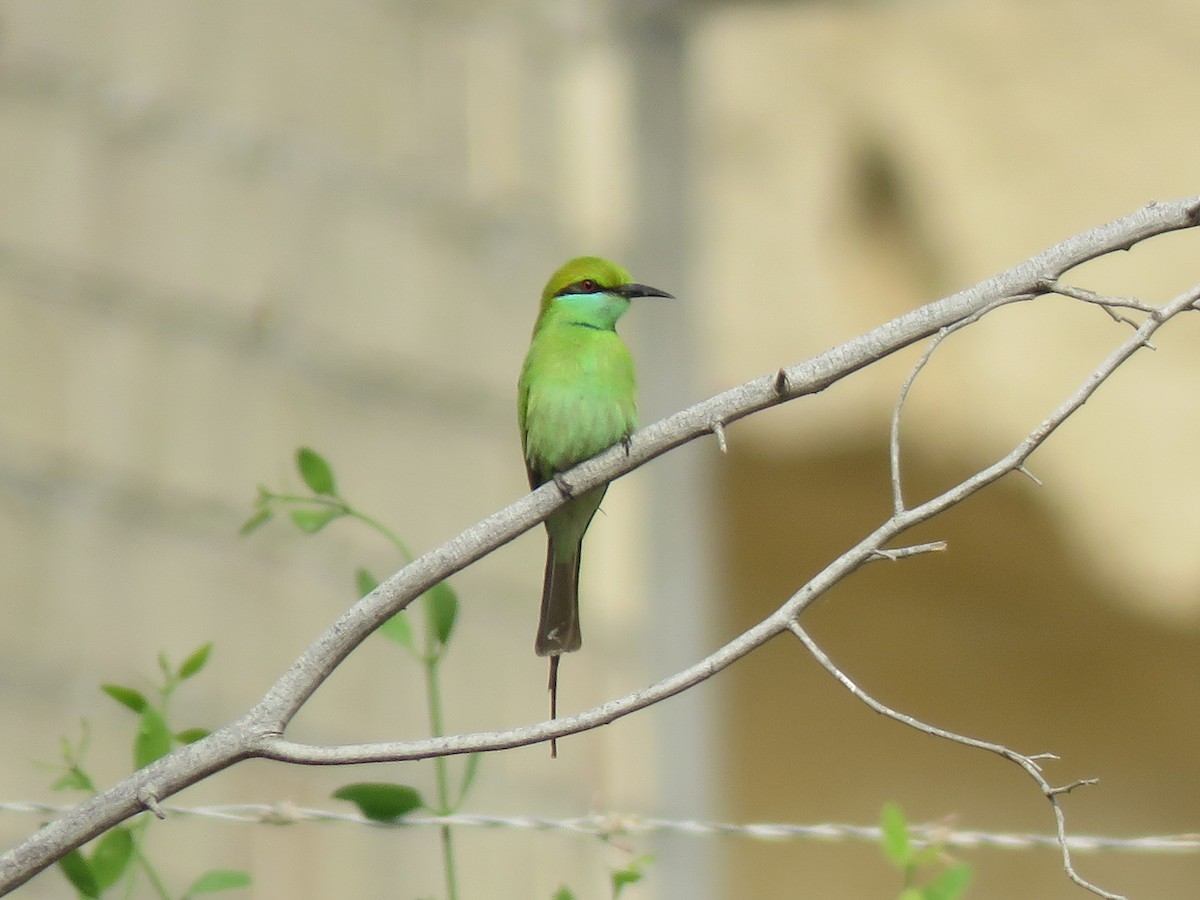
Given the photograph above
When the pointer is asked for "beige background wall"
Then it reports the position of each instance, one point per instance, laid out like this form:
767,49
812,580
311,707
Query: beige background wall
881,155
231,229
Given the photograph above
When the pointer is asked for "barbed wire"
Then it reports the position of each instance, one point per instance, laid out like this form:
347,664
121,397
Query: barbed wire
608,825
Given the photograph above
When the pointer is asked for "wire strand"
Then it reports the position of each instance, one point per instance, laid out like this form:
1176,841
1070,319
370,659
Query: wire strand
620,824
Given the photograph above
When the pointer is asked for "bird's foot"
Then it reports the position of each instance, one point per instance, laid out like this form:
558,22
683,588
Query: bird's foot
627,443
563,487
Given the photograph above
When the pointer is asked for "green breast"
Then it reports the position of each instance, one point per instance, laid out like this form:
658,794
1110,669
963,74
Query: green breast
579,396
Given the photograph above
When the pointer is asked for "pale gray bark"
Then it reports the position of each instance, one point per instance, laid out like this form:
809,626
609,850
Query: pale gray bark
260,731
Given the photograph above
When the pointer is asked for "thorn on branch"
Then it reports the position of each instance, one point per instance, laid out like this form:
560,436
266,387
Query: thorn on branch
563,486
148,797
1024,471
718,430
1117,317
781,383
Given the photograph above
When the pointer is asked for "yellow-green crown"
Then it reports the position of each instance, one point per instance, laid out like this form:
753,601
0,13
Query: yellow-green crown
603,273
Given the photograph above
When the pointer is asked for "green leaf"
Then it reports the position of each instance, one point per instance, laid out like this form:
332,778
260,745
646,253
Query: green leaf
111,856
256,521
364,581
191,735
218,880
399,629
379,801
74,779
78,871
441,605
563,893
950,884
895,835
310,521
153,739
195,662
315,471
622,879
127,696
911,894
631,874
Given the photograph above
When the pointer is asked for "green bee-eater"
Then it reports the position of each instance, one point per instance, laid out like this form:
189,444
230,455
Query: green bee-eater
577,395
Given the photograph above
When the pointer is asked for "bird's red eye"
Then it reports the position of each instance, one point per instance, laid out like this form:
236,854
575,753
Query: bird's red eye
588,285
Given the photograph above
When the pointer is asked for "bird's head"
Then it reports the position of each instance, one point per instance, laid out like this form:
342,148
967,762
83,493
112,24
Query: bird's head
594,285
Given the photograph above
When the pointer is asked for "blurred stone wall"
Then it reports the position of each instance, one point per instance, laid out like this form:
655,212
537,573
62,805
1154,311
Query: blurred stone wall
232,229
859,160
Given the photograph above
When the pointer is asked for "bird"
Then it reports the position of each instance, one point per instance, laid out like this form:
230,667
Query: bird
576,396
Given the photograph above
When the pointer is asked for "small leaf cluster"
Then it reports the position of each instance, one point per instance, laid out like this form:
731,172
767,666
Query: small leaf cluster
914,861
310,517
118,856
312,512
427,644
155,738
619,879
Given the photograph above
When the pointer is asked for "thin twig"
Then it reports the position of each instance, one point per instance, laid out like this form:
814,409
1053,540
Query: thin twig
896,553
1108,301
897,410
259,731
1028,763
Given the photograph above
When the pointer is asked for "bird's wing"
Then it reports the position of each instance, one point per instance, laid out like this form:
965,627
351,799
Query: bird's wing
535,481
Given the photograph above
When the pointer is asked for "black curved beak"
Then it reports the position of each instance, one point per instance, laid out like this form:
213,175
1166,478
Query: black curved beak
629,291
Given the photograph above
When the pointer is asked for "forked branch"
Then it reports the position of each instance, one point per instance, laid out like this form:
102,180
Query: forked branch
260,731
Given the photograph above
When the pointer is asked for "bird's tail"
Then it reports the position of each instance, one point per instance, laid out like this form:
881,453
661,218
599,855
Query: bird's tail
558,627
553,686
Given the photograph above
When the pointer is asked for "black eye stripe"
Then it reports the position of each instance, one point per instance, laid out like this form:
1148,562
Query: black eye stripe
586,286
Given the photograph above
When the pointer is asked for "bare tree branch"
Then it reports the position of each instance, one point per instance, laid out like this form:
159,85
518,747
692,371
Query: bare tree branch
1108,303
898,409
895,553
259,732
1028,763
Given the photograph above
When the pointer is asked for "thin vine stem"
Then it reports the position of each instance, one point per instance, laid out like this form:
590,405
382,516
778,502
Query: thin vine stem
431,657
